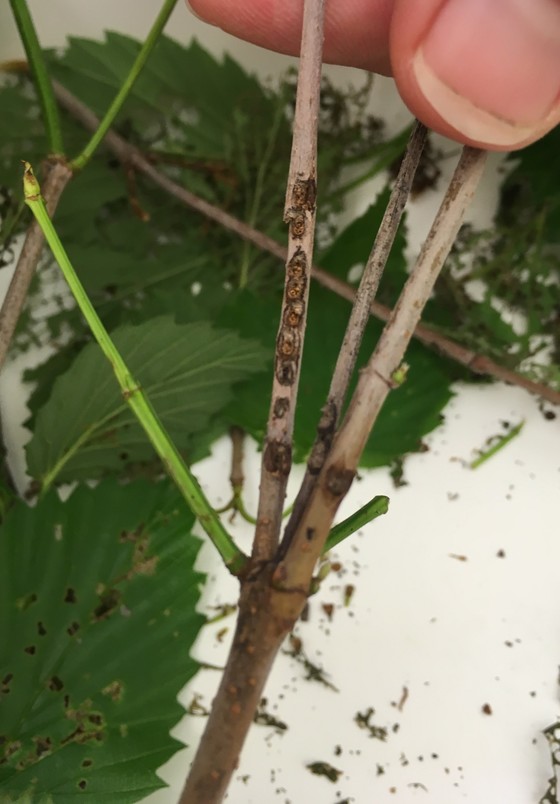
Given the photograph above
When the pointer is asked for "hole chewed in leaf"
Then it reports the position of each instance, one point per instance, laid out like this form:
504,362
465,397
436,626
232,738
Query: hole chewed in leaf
70,596
131,535
114,690
43,745
5,684
90,725
55,684
75,632
109,600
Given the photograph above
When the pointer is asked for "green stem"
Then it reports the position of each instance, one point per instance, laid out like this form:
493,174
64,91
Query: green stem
357,520
83,158
132,393
500,443
236,505
40,74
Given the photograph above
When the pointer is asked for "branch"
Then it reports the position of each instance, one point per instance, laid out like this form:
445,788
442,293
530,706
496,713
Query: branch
363,516
58,176
109,118
266,614
475,362
132,391
128,154
40,74
300,214
236,477
359,317
377,379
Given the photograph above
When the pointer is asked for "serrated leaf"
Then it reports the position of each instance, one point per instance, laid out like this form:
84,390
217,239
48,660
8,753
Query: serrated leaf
176,80
98,599
187,371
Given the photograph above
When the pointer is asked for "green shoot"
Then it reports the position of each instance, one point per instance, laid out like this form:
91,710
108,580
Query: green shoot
367,513
499,443
161,20
132,393
40,74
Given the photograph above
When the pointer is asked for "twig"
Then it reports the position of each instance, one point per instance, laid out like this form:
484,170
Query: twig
58,176
377,379
132,391
266,614
497,444
359,317
299,213
363,516
236,477
40,74
475,362
128,154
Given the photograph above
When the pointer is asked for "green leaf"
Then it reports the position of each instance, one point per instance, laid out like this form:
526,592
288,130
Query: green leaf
98,599
83,201
352,247
532,187
22,135
177,80
410,412
187,371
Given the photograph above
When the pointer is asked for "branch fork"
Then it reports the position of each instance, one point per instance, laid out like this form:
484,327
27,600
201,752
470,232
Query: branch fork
278,578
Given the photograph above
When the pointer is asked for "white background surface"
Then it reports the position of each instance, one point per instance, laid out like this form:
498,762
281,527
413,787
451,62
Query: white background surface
457,633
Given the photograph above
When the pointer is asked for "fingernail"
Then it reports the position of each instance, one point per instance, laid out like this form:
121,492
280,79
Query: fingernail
491,68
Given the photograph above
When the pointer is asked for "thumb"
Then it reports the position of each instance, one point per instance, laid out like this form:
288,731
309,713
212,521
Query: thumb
485,72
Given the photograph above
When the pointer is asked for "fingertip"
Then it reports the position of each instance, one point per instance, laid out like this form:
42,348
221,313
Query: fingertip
193,10
485,74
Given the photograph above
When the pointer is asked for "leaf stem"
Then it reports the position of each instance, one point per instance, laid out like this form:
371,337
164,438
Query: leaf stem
363,516
500,443
132,392
161,20
40,74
